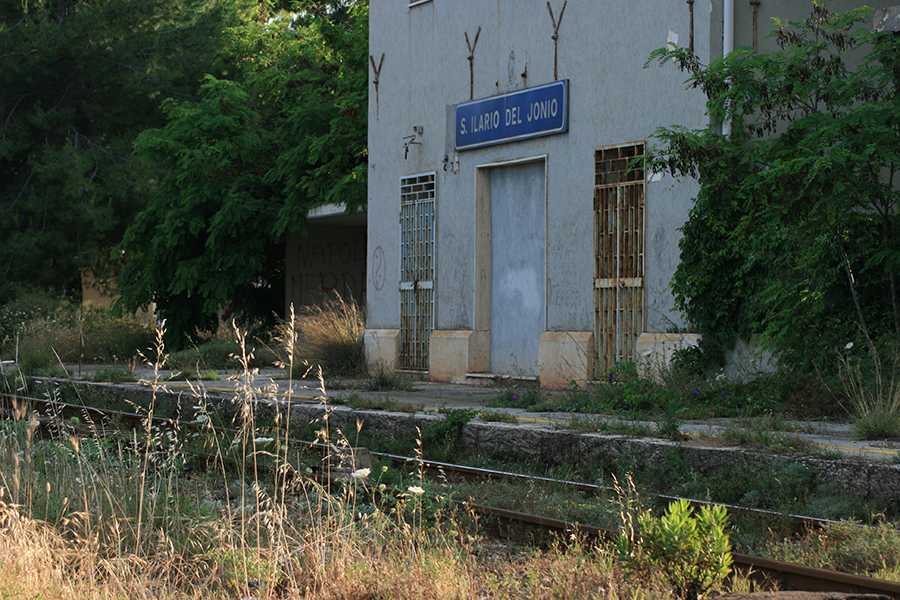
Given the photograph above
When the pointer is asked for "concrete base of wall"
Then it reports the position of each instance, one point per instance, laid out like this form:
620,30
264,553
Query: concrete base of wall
382,349
655,351
454,353
566,356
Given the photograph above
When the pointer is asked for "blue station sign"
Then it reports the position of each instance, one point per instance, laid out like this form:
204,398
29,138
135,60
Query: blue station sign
528,113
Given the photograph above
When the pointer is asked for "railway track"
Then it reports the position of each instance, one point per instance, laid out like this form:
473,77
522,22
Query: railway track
788,576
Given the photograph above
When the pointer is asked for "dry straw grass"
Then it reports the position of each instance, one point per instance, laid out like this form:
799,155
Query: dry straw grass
331,334
200,511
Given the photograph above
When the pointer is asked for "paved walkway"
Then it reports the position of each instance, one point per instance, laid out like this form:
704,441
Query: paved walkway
830,437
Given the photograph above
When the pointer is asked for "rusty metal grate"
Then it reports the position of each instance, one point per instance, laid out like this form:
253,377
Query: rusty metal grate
619,208
417,261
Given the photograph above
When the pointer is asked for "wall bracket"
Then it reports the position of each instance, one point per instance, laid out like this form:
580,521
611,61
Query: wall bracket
471,45
556,24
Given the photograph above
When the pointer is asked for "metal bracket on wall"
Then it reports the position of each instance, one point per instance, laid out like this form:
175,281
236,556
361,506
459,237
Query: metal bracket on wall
755,4
556,24
376,69
690,4
471,46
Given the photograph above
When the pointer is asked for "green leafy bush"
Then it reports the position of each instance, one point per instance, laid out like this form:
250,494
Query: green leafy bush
792,239
691,548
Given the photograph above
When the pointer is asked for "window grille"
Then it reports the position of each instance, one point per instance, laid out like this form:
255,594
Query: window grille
417,266
619,210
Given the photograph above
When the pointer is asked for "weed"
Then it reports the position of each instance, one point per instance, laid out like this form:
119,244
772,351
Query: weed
847,547
387,381
113,375
442,438
878,425
213,354
669,425
611,426
331,334
73,335
386,403
55,372
493,416
530,397
757,435
873,390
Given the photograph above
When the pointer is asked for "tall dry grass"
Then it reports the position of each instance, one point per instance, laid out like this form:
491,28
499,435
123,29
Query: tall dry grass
873,391
205,511
330,334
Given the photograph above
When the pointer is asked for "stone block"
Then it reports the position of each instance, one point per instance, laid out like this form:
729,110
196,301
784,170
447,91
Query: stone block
564,357
382,349
454,353
654,351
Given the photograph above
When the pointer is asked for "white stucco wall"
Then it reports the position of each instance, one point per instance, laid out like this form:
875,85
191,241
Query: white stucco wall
614,99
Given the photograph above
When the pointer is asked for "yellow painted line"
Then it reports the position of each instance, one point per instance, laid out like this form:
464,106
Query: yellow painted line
859,449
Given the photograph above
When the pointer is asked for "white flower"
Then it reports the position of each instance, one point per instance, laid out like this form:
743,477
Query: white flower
849,346
415,490
361,473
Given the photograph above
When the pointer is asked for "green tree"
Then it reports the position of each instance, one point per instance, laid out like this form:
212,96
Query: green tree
79,79
280,131
793,238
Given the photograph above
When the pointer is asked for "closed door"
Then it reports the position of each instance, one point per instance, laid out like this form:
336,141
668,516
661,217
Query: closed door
518,235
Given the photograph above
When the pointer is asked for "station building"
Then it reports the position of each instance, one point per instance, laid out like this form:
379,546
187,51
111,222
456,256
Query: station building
509,232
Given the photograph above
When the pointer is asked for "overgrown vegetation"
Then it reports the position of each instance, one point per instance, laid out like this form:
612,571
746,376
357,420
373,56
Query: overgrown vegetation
681,393
847,547
40,331
386,381
331,335
255,149
795,227
692,550
69,181
88,513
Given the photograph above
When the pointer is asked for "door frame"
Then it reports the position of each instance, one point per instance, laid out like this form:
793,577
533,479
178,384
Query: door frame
482,250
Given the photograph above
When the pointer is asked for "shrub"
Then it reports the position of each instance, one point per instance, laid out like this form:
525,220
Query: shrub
692,549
